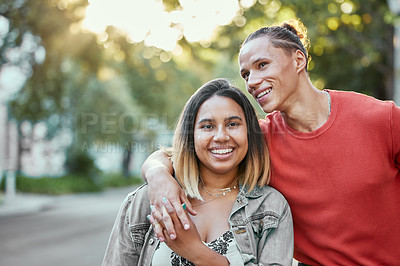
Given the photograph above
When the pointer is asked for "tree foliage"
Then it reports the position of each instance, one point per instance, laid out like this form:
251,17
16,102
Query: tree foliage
102,88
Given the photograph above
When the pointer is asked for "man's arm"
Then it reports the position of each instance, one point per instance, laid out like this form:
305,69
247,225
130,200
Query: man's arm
395,120
157,170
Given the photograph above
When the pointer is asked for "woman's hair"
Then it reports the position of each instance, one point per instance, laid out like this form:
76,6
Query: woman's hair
291,35
255,167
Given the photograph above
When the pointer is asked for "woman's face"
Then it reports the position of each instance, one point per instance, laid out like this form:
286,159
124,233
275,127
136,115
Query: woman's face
271,75
220,135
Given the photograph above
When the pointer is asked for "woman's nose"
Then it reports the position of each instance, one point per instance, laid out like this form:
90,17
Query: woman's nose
221,135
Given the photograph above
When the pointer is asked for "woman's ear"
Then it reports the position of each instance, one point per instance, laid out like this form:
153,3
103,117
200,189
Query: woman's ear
301,60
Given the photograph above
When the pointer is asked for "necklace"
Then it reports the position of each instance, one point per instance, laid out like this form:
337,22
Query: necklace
222,191
214,196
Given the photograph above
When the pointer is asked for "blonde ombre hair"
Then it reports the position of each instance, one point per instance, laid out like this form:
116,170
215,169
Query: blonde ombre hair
254,168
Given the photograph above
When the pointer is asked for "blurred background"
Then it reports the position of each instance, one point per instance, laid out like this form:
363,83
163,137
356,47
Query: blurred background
88,89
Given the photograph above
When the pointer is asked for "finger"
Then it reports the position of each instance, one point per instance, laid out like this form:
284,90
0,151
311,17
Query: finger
158,229
168,223
157,215
168,205
175,218
189,207
167,238
181,214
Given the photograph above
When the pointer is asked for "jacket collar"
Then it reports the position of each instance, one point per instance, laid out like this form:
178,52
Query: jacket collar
255,193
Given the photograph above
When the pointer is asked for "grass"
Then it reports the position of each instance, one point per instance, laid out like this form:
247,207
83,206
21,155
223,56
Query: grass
70,184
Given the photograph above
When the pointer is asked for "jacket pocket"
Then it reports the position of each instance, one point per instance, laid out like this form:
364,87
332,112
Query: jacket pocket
138,233
264,223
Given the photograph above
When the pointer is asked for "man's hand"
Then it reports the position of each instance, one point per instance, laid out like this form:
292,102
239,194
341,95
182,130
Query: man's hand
164,192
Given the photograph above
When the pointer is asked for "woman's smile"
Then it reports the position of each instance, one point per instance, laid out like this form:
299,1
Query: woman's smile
220,135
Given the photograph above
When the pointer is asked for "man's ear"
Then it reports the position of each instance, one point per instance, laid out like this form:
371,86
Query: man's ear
301,60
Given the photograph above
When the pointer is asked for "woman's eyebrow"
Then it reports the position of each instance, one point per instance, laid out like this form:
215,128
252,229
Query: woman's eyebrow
233,118
205,120
208,120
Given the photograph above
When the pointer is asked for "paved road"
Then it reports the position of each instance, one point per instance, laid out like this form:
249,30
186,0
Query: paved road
73,232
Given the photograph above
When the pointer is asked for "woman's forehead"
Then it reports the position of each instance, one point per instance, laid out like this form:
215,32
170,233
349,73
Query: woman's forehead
220,106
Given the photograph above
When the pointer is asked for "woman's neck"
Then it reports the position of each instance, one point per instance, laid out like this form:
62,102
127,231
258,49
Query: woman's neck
218,181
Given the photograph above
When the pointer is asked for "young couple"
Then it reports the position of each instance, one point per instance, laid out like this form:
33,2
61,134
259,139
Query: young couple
335,157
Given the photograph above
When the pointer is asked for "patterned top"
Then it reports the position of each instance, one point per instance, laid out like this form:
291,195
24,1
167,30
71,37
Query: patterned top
165,256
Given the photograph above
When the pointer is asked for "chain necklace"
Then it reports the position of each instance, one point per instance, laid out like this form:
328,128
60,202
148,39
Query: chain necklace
222,191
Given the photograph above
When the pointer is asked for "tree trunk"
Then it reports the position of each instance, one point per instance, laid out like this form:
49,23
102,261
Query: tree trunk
126,161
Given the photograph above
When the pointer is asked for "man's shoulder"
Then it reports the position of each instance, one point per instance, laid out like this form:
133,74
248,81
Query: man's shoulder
357,97
357,103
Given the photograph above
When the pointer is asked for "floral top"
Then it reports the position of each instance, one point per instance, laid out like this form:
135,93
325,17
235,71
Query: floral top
165,256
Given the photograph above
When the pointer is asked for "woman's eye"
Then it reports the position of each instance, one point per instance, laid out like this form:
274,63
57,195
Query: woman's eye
245,76
206,126
233,124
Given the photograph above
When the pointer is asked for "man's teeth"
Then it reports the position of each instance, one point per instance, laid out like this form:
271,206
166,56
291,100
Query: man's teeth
261,94
222,151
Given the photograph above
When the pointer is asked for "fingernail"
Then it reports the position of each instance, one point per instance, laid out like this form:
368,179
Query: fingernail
164,199
161,239
184,206
172,236
148,217
152,207
186,226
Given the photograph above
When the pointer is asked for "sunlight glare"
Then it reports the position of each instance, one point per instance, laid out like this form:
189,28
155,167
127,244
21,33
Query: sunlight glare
148,21
200,18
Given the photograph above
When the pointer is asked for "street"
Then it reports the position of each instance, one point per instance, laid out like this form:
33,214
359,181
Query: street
73,231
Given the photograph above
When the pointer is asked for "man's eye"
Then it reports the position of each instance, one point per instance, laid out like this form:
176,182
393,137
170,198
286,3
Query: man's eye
262,64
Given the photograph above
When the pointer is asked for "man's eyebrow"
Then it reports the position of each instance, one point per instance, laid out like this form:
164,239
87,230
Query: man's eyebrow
258,60
252,63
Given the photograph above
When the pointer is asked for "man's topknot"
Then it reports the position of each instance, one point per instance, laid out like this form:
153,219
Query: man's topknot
297,28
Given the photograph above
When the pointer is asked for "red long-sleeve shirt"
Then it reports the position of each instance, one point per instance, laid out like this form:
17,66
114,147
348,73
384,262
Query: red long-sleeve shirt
342,181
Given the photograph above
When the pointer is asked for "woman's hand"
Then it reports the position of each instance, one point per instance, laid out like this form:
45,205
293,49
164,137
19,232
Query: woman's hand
163,188
187,242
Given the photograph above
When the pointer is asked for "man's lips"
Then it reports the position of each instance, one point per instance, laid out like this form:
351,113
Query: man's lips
261,93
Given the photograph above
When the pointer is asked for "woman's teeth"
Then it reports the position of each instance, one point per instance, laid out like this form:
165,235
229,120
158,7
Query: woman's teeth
222,151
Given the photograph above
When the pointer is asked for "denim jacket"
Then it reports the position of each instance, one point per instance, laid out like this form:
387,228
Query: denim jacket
260,220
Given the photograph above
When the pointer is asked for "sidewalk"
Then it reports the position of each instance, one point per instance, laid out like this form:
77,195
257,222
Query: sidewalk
24,203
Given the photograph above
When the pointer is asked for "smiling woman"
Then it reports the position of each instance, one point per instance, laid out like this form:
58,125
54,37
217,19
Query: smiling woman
220,156
149,22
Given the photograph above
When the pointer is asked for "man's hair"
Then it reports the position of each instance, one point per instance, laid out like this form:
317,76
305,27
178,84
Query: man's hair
291,35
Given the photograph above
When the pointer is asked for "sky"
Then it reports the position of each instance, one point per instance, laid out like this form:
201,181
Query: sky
149,22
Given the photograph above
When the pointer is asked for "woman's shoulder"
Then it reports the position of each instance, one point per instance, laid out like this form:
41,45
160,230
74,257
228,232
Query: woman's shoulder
136,205
268,199
272,193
